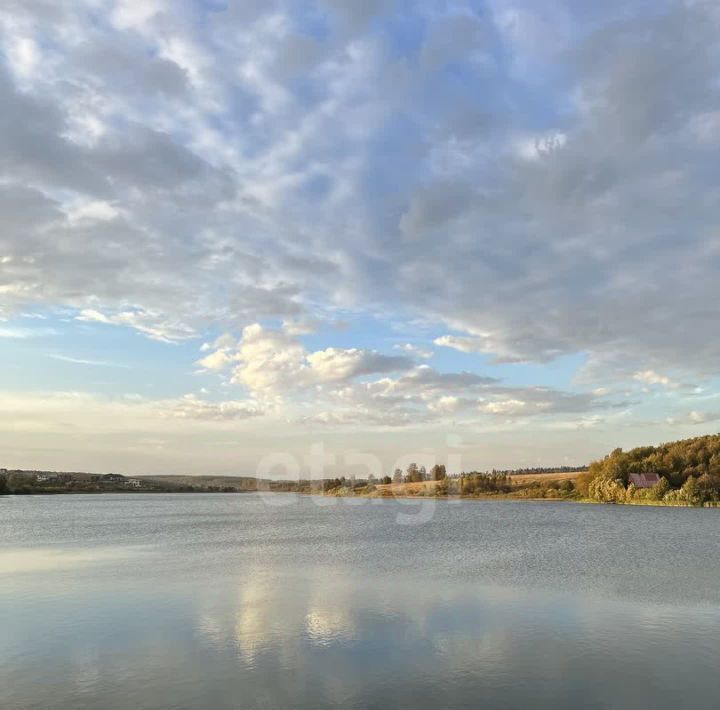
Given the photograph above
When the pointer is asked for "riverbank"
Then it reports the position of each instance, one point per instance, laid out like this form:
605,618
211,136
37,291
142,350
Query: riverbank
531,488
516,498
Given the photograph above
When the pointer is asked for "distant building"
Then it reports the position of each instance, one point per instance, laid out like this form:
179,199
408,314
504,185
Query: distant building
52,477
46,477
133,483
113,478
644,480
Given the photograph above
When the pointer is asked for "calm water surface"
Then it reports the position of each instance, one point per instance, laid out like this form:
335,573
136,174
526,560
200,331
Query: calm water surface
224,601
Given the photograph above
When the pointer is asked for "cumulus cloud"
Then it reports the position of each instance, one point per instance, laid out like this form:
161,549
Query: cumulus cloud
333,364
217,360
363,387
275,362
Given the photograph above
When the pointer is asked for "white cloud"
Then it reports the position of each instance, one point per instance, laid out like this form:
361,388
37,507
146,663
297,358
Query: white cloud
135,14
344,386
15,333
216,361
185,170
192,407
446,404
274,362
415,350
301,327
693,418
86,361
651,377
270,361
538,147
504,407
24,56
95,211
152,324
462,343
334,364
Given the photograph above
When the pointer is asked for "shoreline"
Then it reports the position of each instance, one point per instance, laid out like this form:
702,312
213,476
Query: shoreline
517,499
371,496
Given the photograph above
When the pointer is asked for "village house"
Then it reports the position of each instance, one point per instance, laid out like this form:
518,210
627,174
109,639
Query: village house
644,480
45,477
113,478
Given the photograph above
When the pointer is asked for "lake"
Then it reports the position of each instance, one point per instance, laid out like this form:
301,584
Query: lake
243,601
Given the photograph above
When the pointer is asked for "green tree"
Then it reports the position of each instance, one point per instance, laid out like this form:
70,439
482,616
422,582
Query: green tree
709,487
607,490
438,473
691,491
582,484
660,489
412,473
679,461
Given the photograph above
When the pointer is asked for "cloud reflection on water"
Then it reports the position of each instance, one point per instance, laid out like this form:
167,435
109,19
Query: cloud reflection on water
49,559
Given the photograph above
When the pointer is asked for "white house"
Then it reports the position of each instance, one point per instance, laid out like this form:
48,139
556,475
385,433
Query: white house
46,477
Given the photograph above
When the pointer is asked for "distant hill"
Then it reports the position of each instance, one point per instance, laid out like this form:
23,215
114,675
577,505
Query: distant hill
239,482
32,481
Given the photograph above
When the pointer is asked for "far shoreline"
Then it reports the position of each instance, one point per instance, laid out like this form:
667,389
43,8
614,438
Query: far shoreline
371,496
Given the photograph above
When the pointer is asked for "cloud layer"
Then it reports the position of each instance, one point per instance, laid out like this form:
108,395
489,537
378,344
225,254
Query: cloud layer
529,182
233,161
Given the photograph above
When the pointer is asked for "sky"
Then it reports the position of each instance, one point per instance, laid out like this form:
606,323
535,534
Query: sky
234,233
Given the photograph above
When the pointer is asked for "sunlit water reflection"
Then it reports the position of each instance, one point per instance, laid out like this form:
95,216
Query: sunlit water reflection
223,601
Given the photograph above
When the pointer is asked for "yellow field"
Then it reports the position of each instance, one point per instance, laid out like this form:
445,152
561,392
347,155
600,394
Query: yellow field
544,477
400,489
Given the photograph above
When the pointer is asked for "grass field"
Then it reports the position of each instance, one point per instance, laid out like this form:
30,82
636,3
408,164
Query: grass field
427,487
523,479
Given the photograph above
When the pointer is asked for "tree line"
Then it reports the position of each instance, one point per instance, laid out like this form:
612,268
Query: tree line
689,472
